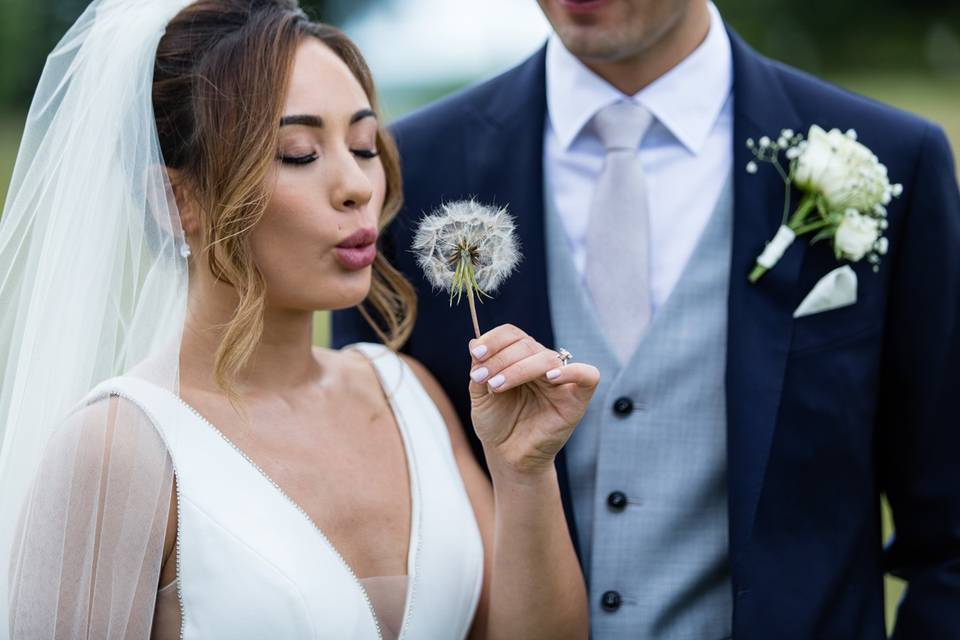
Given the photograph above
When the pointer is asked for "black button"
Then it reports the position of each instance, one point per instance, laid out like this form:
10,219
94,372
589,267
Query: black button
623,406
610,601
617,500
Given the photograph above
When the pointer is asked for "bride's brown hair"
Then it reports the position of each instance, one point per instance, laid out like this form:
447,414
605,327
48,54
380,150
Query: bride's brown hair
220,81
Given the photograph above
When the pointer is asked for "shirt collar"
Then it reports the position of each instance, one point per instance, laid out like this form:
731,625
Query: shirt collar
687,100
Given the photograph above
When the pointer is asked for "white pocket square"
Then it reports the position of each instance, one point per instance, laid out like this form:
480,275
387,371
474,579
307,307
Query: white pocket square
835,290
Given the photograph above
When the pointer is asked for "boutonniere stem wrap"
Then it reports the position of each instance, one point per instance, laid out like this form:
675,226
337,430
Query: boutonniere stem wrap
845,194
466,248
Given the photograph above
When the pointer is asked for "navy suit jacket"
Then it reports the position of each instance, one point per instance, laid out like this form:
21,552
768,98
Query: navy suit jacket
824,412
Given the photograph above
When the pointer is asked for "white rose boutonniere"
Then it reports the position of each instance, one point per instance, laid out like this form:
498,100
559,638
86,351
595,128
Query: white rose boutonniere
856,236
846,192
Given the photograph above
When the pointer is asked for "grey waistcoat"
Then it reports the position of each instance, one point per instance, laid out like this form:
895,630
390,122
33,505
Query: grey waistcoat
661,558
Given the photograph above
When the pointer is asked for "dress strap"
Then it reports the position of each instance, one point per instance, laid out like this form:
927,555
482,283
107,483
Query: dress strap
392,371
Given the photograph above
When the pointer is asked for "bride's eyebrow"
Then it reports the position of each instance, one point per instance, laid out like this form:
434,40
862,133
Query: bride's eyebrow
363,113
317,121
309,121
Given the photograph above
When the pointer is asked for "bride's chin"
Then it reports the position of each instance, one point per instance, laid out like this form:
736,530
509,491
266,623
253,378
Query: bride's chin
347,298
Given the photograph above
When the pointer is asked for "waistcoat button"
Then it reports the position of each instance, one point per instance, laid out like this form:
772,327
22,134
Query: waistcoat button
623,406
610,601
617,500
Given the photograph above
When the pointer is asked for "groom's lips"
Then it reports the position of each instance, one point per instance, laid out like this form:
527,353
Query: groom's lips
582,6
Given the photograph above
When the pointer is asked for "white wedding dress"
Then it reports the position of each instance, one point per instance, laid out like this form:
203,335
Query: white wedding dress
252,564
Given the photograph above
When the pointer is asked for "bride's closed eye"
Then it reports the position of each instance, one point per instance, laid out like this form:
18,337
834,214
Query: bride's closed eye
297,159
365,154
299,154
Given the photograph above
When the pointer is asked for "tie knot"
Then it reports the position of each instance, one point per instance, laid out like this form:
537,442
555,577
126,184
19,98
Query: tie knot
622,125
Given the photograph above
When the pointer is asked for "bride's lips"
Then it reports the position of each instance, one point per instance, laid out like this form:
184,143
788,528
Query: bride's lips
358,250
582,6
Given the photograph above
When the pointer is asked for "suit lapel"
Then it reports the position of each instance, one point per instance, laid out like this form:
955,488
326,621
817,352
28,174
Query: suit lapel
506,166
760,315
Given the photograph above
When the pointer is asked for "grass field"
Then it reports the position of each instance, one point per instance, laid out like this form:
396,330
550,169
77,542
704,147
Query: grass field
937,99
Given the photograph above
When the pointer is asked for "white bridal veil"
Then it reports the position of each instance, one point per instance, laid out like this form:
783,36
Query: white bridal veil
92,284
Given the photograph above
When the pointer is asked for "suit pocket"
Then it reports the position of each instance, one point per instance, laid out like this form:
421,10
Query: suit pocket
835,328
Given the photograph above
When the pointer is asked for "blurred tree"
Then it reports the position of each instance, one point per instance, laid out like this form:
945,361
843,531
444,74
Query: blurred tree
826,36
29,29
823,36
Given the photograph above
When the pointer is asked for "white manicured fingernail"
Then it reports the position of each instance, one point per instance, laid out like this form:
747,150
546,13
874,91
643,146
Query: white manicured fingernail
479,375
553,374
497,381
479,351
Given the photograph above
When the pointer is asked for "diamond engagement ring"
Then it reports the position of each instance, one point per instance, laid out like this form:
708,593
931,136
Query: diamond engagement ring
564,355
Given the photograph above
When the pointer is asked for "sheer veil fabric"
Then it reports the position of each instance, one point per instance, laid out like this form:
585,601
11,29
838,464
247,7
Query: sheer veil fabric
92,284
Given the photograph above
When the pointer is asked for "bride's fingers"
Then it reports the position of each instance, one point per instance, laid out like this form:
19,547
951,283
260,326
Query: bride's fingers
585,376
495,341
495,363
522,371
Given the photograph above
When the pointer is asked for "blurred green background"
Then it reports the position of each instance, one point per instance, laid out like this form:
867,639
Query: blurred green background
903,52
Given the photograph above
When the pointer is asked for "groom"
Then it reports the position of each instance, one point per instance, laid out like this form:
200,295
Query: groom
726,479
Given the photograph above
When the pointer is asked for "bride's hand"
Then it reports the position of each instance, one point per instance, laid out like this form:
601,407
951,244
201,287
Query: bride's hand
525,404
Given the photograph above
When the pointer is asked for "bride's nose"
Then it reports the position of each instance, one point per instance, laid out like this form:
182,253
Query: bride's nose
352,187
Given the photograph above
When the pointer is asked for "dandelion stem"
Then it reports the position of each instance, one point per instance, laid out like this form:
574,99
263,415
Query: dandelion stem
473,311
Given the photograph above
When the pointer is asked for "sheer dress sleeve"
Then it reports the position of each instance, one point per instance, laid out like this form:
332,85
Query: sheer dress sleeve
88,550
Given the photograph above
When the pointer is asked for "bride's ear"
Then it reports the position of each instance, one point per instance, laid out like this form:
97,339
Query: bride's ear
186,205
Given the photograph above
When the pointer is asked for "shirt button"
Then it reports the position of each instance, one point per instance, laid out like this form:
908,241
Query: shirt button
610,601
617,500
623,406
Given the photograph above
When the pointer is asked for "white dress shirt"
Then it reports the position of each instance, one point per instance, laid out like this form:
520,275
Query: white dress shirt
687,154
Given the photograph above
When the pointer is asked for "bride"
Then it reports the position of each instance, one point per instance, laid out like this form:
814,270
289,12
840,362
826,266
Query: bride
195,180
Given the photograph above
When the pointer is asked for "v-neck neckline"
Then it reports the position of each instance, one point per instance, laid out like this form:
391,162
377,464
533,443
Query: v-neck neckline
413,539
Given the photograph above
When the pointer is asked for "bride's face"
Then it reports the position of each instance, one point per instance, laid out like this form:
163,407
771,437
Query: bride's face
316,241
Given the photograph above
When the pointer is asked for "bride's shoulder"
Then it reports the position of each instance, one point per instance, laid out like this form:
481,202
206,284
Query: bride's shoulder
350,367
103,432
365,365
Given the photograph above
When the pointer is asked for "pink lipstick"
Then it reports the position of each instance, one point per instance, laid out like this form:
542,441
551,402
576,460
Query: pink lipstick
358,250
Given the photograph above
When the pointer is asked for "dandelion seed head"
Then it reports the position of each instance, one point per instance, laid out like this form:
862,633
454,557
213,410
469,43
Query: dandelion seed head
486,234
